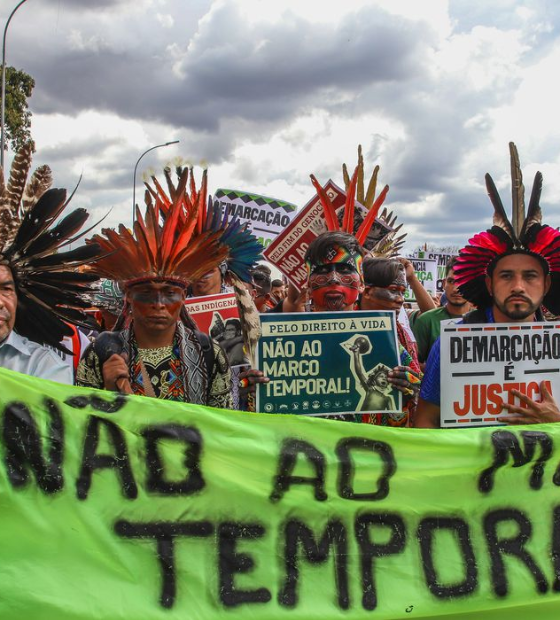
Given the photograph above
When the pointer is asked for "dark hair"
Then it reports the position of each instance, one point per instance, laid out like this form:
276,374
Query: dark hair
277,283
381,272
450,265
261,281
236,323
319,248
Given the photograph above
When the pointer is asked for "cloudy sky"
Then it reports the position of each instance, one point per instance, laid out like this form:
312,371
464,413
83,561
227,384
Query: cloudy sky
265,92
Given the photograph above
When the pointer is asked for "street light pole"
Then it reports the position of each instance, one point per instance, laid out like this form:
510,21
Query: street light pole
3,112
136,168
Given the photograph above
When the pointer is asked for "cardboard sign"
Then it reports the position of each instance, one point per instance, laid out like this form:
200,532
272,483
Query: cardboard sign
426,272
126,507
323,363
480,364
287,251
218,316
266,216
442,259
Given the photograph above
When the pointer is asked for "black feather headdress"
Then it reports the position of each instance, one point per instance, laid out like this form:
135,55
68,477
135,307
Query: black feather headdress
525,234
48,281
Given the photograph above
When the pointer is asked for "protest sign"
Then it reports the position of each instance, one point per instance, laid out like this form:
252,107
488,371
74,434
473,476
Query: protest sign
266,216
133,508
218,316
323,363
426,272
481,364
287,251
442,259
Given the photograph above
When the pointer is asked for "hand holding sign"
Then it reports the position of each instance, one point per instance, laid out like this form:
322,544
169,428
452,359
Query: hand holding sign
534,412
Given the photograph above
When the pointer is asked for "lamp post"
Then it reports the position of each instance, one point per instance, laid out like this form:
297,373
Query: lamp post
3,112
136,168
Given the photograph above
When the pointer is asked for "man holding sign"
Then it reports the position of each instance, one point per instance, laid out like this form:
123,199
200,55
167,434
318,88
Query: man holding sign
507,272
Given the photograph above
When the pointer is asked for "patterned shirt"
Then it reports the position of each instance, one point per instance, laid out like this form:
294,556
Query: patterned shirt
170,378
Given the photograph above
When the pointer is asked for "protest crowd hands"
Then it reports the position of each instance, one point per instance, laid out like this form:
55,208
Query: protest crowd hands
534,412
295,300
115,374
248,380
404,379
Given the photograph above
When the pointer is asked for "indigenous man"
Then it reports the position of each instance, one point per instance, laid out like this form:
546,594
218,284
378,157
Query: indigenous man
40,287
159,352
507,272
334,263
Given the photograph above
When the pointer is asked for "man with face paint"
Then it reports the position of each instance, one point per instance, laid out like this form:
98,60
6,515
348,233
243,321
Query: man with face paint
155,348
334,267
335,281
157,345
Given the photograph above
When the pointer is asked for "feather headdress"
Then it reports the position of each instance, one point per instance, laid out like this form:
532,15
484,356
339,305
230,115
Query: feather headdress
389,244
49,286
243,249
524,234
177,250
351,221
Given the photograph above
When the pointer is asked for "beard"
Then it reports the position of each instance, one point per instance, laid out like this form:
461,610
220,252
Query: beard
516,313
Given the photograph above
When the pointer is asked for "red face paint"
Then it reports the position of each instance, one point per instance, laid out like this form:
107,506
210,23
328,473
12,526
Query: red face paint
334,286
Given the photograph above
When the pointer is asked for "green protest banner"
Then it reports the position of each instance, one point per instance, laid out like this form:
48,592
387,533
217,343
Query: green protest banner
130,508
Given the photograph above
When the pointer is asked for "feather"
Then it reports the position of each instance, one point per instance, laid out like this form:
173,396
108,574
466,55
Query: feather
18,175
348,220
534,213
500,218
249,316
37,220
360,185
517,192
38,184
370,217
328,208
372,186
345,176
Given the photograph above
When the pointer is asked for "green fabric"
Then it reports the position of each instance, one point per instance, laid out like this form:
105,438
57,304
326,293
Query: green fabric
73,553
426,330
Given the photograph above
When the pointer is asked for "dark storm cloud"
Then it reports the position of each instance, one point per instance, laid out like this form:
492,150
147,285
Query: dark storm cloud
232,70
87,5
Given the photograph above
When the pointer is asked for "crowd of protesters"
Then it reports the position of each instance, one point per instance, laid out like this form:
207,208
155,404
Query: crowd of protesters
111,315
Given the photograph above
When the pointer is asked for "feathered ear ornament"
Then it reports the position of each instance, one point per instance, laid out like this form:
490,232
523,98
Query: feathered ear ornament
51,288
524,234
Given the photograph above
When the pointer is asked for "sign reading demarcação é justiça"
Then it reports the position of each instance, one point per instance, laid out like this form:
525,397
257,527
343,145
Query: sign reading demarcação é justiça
481,364
323,363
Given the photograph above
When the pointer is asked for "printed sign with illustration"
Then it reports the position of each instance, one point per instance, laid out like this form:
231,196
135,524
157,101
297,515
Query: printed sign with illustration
322,363
481,364
266,216
287,251
127,507
218,316
426,272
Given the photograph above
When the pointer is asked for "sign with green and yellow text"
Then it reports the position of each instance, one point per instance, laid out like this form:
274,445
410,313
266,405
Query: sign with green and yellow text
132,508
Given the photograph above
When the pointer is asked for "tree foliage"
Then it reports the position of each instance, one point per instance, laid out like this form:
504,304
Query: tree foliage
17,120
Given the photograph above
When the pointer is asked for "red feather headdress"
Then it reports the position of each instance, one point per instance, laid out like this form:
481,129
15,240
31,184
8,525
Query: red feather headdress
352,222
524,234
177,250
